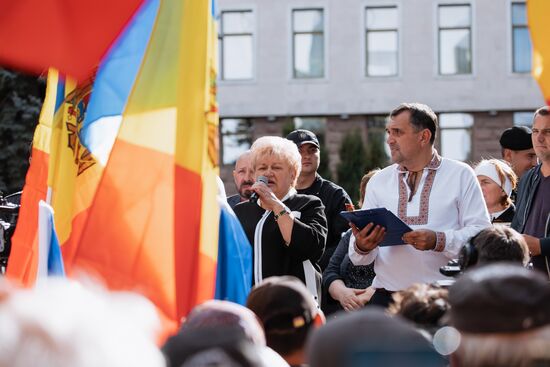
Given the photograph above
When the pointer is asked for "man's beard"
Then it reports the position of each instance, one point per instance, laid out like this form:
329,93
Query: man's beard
245,193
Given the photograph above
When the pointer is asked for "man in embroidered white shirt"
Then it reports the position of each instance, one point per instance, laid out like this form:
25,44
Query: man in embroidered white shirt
439,198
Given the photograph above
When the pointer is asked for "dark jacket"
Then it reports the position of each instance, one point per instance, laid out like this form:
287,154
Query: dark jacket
308,238
233,200
526,192
341,268
506,216
334,199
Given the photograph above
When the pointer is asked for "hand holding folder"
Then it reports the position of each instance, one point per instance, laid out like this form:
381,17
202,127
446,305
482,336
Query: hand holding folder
395,227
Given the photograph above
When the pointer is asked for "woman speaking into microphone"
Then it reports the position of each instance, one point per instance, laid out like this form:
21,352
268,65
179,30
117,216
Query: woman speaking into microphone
287,230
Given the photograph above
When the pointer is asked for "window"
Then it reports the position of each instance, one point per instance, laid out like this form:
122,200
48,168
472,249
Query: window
455,41
523,119
381,41
236,139
236,39
455,135
308,43
317,125
521,43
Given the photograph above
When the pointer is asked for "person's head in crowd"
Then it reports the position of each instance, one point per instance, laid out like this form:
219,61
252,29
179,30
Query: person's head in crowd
498,243
309,148
411,132
243,174
497,180
279,161
65,324
220,333
541,135
517,149
288,313
502,314
370,337
363,185
423,304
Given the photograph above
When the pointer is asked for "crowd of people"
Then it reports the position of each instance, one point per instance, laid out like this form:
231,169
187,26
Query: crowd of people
329,293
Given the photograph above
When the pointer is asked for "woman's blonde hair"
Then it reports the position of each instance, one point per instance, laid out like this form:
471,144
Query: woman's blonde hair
281,148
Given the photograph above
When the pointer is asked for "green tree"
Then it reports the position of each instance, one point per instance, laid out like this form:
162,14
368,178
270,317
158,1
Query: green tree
376,155
21,98
353,163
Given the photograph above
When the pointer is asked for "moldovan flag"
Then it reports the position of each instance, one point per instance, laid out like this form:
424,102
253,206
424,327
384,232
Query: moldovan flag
23,260
152,225
71,36
133,166
537,18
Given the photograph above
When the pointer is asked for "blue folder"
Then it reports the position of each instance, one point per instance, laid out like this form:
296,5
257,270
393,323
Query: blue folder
395,227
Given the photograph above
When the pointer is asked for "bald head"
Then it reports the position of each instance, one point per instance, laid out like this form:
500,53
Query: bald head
243,174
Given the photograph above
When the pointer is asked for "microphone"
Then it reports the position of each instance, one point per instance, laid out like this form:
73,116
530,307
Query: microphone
254,196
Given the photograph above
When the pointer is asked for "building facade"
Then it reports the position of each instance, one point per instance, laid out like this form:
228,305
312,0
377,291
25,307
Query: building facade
339,66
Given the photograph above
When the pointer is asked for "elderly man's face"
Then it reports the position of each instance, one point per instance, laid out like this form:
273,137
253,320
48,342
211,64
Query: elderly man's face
243,174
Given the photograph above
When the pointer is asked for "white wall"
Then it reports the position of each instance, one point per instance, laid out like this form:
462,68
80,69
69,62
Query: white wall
345,89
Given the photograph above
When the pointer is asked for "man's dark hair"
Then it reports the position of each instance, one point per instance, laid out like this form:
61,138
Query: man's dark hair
543,111
423,304
500,243
422,117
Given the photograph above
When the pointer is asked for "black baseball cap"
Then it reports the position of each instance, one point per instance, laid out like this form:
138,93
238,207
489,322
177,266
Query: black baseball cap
516,138
301,137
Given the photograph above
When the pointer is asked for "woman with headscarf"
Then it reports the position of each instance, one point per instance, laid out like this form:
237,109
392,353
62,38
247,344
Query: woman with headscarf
287,230
497,180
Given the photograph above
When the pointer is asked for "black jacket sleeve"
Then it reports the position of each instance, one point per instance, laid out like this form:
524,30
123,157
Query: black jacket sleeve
333,270
309,233
336,223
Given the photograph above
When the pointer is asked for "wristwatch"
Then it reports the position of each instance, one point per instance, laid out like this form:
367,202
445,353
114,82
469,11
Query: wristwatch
280,214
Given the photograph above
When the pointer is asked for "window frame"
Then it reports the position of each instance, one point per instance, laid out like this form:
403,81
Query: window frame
470,37
293,33
249,134
366,32
468,129
222,35
512,28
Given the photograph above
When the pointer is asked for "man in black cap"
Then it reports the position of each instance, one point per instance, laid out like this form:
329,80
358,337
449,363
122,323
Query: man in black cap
502,313
532,217
334,197
288,313
517,149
